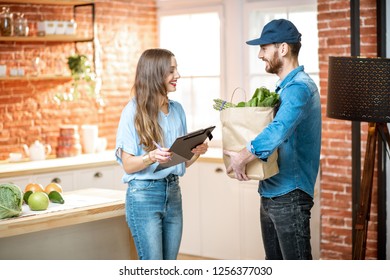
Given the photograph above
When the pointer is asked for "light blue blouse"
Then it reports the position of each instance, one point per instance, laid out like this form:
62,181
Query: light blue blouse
173,125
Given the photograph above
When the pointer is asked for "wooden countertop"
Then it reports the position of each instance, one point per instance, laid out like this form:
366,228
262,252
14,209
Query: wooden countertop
13,169
99,204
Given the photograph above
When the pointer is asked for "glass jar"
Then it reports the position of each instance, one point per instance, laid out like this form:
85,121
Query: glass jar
6,25
20,25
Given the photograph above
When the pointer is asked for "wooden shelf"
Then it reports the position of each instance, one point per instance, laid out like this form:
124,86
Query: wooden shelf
48,38
35,78
48,2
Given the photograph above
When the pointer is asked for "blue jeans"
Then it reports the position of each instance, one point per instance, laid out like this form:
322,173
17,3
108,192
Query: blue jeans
285,226
155,218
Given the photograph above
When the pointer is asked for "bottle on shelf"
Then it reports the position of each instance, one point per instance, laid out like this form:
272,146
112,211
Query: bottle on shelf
6,22
20,25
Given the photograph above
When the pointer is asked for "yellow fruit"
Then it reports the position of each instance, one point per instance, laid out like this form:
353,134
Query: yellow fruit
34,187
38,201
53,187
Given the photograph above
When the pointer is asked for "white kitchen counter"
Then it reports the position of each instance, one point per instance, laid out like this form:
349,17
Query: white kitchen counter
12,169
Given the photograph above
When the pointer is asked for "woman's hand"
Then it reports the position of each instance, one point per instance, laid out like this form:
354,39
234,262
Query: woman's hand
160,155
197,151
200,149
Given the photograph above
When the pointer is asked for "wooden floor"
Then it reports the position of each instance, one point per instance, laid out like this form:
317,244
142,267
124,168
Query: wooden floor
191,257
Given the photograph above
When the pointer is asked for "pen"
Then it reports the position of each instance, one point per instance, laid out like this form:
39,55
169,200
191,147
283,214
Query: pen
157,145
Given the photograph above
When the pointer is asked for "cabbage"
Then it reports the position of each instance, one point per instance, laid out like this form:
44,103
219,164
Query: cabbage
11,200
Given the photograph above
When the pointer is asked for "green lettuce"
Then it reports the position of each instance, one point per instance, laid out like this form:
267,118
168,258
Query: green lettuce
262,97
11,200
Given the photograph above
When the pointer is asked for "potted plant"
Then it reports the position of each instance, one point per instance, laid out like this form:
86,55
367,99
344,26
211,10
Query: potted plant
84,80
82,74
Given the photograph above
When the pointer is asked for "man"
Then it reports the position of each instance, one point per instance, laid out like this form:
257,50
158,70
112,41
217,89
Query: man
287,197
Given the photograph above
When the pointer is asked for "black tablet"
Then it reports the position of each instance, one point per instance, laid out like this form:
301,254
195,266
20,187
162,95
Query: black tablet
181,148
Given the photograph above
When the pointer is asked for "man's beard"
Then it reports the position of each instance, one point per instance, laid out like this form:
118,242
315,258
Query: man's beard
274,65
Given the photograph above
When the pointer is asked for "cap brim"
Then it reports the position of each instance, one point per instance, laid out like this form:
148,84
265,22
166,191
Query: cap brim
257,42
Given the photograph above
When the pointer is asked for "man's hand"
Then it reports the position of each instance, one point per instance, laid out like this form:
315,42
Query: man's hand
238,161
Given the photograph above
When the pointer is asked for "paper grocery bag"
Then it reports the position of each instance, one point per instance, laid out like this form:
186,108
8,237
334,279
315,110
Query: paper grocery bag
239,126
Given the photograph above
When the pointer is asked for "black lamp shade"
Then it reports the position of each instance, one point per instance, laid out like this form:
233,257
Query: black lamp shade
359,89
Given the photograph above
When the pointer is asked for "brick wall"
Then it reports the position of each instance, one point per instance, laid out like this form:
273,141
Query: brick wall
336,198
125,28
28,110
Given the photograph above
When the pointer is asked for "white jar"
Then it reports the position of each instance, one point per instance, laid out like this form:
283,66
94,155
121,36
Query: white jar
89,138
70,27
3,70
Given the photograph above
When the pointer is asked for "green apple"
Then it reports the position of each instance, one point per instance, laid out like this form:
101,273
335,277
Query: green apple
38,201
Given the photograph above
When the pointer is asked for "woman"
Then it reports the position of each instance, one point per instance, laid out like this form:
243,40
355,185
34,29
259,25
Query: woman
148,123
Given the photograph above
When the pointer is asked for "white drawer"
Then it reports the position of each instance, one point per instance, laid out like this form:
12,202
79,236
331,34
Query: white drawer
65,179
101,177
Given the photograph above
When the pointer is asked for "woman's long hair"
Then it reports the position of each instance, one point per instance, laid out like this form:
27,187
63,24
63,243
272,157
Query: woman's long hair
152,69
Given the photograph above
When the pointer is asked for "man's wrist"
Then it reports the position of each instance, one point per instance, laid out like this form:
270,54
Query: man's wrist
246,156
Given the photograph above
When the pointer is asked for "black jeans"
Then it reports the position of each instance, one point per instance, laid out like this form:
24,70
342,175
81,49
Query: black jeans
285,226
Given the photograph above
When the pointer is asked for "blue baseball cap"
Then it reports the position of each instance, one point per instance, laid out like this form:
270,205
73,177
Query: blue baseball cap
277,31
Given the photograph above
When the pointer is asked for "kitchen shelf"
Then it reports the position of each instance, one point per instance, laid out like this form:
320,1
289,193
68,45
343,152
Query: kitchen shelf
36,78
47,38
48,2
51,38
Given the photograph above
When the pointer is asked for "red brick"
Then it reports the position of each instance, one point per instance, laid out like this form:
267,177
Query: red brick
30,105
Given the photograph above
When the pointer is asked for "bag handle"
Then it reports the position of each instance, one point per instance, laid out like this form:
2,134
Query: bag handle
220,104
234,91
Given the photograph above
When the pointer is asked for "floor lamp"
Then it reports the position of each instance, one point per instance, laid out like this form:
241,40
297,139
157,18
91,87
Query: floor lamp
359,90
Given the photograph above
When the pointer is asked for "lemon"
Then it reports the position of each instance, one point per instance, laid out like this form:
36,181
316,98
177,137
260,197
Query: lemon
53,187
34,187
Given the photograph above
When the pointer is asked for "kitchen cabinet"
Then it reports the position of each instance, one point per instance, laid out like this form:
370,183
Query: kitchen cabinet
97,177
189,184
20,180
65,179
100,177
251,243
219,213
213,209
72,173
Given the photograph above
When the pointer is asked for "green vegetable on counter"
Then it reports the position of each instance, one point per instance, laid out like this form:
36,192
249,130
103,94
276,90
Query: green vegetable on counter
26,195
262,97
56,197
11,200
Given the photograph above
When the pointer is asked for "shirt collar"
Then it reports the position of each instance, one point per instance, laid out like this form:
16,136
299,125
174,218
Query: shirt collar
282,83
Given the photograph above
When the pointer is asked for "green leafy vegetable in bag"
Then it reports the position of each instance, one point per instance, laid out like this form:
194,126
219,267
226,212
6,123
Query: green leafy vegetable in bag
11,200
262,97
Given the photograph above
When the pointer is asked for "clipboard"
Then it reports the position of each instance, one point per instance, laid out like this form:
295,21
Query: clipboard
181,148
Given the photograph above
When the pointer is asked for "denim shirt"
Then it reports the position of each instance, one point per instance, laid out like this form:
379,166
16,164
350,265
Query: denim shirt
173,125
296,133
